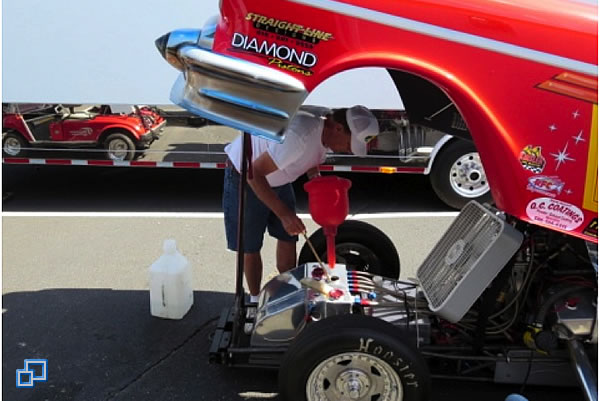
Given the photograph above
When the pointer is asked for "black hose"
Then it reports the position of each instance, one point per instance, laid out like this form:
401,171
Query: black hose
488,301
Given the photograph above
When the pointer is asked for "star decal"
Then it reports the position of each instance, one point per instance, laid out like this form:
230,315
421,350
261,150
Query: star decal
568,192
575,114
552,128
578,138
561,157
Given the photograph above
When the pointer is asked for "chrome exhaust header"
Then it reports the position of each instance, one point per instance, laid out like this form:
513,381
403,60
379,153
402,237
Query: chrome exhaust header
244,95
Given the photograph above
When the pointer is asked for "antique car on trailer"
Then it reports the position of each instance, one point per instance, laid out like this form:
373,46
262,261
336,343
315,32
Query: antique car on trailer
509,294
123,136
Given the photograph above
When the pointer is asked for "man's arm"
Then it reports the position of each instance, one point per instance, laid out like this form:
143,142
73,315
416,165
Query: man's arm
313,172
262,167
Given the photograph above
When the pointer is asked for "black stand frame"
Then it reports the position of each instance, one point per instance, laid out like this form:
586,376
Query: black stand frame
239,302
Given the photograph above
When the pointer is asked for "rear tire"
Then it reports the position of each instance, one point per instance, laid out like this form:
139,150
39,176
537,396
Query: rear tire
360,246
13,145
457,176
353,357
119,147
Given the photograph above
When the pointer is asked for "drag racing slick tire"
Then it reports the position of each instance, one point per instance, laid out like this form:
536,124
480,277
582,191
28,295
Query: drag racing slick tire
353,357
119,147
457,175
360,246
13,144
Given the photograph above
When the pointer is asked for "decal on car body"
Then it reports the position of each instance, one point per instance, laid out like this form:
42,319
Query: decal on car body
531,159
555,213
547,185
85,131
280,55
592,228
590,196
289,29
286,45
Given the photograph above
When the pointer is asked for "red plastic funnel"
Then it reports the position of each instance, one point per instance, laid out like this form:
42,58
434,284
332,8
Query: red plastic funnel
328,206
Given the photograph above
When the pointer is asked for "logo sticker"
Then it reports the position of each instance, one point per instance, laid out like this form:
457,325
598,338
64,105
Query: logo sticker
289,29
27,376
549,186
285,44
531,159
85,131
592,228
280,55
555,213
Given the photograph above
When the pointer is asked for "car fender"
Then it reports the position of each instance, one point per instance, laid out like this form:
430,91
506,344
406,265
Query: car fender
135,134
16,123
438,146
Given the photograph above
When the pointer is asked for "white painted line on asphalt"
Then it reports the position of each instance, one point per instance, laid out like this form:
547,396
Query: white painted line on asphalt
116,214
217,215
255,394
400,215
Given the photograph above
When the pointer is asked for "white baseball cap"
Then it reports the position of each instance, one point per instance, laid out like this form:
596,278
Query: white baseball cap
363,126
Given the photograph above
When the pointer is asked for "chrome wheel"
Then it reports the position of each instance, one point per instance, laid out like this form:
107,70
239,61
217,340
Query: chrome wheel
354,376
12,145
118,149
467,176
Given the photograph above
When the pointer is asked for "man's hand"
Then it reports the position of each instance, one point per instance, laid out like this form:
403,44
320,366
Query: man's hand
313,172
292,223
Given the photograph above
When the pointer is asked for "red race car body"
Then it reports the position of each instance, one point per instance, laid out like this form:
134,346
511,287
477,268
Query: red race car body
517,77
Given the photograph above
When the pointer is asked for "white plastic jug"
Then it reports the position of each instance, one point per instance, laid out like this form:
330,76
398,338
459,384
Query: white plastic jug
171,294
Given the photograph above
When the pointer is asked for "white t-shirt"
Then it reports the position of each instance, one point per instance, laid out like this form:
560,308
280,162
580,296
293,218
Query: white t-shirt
300,151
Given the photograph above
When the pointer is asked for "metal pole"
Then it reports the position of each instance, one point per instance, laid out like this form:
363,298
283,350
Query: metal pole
239,278
584,370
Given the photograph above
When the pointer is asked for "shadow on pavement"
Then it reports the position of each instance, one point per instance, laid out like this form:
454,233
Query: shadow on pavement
103,344
122,189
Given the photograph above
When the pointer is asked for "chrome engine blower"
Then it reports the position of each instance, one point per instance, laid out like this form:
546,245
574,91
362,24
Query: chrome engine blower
311,292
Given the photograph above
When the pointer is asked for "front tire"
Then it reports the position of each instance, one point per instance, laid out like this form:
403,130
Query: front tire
119,147
458,177
13,145
360,246
353,357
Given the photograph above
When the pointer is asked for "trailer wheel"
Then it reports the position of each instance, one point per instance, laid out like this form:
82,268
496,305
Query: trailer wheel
119,147
13,144
457,176
360,246
353,357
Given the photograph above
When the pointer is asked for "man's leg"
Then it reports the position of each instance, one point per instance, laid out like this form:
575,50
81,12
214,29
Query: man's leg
253,269
286,255
255,223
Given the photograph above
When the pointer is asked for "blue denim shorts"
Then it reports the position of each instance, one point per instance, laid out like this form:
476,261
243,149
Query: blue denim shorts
257,216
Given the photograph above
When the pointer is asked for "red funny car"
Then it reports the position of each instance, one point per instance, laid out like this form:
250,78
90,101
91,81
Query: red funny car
509,293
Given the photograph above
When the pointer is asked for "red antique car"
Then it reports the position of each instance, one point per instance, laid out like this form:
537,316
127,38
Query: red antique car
509,294
55,126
